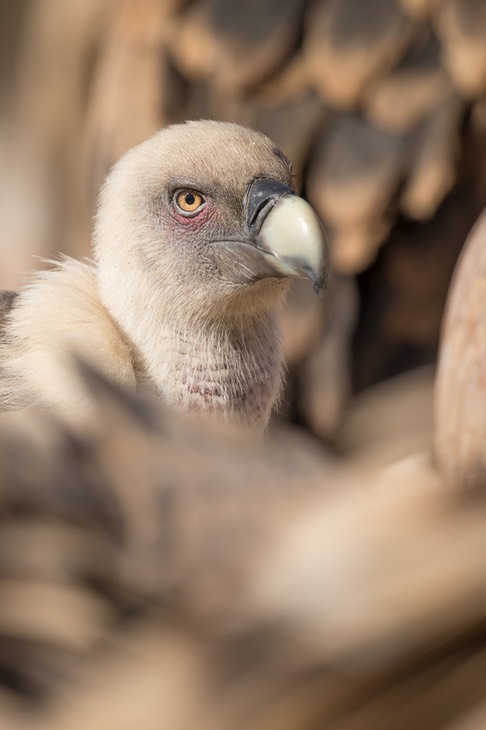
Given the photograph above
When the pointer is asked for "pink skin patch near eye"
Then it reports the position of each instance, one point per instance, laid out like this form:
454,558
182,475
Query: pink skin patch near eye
195,219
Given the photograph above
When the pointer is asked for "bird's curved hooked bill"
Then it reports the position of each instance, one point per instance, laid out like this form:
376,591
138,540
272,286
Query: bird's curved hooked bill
289,232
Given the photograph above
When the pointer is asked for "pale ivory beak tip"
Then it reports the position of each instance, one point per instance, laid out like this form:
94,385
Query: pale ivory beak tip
293,233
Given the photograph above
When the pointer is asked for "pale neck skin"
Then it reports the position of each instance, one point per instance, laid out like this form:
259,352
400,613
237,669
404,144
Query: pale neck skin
222,372
230,367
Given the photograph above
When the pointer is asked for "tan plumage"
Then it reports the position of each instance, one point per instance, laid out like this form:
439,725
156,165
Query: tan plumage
57,316
460,402
184,302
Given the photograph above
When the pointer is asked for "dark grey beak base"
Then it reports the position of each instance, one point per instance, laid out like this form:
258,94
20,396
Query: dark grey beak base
287,231
262,195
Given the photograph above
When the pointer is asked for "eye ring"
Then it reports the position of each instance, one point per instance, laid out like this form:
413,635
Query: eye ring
188,202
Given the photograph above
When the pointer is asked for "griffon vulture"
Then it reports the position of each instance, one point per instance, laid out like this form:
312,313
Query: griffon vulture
197,234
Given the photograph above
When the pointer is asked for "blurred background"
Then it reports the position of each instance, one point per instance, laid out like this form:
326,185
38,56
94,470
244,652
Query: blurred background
381,104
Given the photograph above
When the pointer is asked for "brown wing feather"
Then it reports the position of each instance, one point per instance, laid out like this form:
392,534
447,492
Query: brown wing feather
7,300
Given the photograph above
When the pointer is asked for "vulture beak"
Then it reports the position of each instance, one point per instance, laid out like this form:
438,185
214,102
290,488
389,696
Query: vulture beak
288,232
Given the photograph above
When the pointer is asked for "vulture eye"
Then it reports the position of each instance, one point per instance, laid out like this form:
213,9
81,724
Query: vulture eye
189,202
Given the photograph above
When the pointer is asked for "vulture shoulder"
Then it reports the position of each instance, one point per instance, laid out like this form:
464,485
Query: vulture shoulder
57,315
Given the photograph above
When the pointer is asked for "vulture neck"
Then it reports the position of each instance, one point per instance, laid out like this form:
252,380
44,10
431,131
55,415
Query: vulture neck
229,367
231,371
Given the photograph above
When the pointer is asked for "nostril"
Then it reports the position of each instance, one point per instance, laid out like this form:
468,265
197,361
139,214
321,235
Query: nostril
262,195
260,212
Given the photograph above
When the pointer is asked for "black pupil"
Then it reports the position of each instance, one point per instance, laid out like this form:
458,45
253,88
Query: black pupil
190,199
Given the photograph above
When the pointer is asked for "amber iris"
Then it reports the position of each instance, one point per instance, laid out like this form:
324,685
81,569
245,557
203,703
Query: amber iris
189,201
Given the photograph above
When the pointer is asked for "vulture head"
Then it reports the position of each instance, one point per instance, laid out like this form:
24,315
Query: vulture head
198,231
